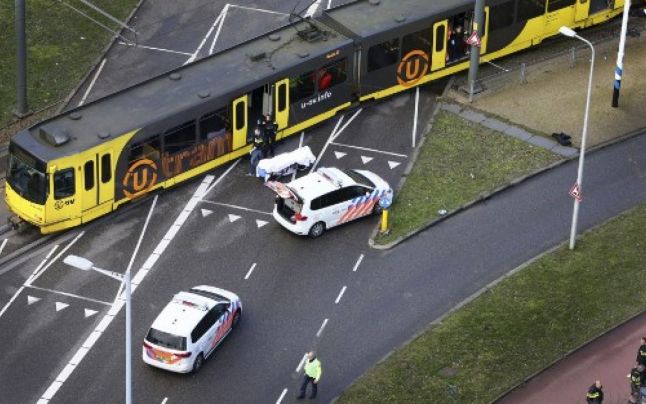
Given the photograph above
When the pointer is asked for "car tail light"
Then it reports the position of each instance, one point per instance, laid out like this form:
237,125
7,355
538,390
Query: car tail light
298,217
147,345
183,354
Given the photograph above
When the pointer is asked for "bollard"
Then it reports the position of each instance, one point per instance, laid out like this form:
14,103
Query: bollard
572,57
384,222
523,73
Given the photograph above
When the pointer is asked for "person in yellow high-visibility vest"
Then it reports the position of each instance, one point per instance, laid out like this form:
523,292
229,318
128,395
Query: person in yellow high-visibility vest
312,375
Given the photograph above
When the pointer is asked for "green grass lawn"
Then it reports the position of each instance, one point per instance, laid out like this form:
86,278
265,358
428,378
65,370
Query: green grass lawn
521,325
458,161
62,46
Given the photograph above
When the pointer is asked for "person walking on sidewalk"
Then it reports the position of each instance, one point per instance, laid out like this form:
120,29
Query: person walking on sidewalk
641,353
312,375
636,377
595,393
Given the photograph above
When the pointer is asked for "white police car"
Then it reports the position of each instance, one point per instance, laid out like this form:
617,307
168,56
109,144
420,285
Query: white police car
326,198
190,327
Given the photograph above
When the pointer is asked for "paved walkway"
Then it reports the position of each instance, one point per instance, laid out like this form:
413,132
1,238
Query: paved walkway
608,358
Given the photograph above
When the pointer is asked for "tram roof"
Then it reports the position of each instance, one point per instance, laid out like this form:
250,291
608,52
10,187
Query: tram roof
232,71
364,18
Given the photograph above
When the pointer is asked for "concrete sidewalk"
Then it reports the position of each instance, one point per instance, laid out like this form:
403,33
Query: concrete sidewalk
608,358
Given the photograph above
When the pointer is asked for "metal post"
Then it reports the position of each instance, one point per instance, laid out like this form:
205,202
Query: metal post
126,279
579,179
523,73
573,57
478,26
22,108
620,55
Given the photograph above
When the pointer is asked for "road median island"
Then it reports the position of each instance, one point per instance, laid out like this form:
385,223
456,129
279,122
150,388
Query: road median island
61,47
523,324
459,162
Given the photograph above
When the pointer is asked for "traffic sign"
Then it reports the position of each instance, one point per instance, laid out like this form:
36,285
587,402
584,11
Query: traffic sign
474,39
386,200
575,192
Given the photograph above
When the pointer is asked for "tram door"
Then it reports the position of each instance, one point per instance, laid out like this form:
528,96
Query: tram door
239,122
438,60
281,103
96,184
581,9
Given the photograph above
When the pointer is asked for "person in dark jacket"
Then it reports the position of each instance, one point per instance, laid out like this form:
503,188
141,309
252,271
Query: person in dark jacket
256,153
636,377
269,129
641,353
595,393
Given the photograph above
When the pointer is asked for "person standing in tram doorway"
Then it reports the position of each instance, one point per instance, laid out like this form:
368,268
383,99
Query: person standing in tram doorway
270,127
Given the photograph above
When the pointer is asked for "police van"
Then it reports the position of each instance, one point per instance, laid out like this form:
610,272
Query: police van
327,198
190,327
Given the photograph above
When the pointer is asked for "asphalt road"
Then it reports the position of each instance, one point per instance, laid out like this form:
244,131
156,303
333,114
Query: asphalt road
63,340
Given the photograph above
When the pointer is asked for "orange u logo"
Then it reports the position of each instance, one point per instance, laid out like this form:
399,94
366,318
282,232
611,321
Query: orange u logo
137,182
412,68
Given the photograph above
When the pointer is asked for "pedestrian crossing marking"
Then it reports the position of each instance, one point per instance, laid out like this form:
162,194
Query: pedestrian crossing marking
90,313
206,212
233,218
31,299
339,154
393,164
366,160
260,223
60,306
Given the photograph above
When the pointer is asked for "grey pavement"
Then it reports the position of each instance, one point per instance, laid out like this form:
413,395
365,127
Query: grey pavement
509,129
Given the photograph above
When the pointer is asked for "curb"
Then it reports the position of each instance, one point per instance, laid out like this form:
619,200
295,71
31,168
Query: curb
488,195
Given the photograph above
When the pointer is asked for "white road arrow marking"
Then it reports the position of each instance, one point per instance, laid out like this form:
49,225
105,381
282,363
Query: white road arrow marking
206,212
339,154
366,159
60,306
233,218
31,299
393,164
90,313
260,223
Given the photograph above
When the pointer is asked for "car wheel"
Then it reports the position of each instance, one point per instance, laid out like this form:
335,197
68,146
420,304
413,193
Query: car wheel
317,229
199,361
377,209
236,319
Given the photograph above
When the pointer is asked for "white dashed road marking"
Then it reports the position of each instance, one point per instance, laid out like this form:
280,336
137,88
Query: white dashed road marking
282,395
338,299
356,266
89,88
233,218
415,117
369,149
58,292
4,243
250,271
301,363
340,155
236,207
320,331
31,300
89,313
260,223
60,306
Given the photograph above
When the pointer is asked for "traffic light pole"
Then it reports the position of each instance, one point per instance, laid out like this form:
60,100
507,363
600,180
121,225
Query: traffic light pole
22,109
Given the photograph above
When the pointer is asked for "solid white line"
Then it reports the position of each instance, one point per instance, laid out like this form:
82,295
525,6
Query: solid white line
156,49
217,33
300,144
219,179
67,247
312,9
282,395
117,305
208,34
327,143
301,363
89,88
164,400
236,207
4,243
15,295
58,292
336,135
338,299
43,262
262,10
415,118
250,271
320,331
358,263
369,149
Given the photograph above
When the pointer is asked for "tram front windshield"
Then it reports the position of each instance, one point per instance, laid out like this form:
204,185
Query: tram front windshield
26,175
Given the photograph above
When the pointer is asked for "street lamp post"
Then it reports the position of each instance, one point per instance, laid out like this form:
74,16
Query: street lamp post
87,265
579,179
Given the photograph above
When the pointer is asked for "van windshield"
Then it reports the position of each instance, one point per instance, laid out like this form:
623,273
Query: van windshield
26,175
166,340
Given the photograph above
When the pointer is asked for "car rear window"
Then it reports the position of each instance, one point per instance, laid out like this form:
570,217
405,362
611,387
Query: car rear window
166,340
208,294
359,178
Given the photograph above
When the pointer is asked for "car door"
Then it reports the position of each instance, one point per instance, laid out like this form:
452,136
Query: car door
218,313
360,203
332,205
208,324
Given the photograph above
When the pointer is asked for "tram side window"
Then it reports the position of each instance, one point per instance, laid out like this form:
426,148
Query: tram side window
106,168
420,40
64,183
530,8
331,75
214,125
88,174
501,16
302,86
554,5
383,54
149,148
179,138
